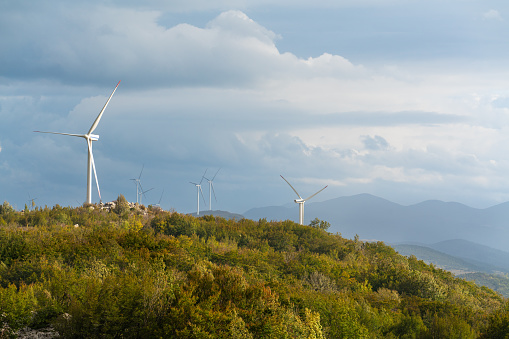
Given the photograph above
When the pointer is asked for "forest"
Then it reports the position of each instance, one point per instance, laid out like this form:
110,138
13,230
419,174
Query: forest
90,272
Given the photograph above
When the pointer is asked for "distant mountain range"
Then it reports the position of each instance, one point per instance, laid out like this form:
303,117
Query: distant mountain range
429,222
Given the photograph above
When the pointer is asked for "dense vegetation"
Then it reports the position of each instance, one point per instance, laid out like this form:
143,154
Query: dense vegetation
497,282
147,273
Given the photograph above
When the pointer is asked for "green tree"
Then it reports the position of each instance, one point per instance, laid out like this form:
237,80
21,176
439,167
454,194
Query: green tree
121,206
6,208
320,224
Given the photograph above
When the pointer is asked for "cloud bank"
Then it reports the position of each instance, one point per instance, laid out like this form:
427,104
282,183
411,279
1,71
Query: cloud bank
224,95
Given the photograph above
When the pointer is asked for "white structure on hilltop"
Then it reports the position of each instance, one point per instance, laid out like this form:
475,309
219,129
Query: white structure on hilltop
89,137
301,201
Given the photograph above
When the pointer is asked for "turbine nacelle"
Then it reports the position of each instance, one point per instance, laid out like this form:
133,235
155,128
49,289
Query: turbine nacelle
93,137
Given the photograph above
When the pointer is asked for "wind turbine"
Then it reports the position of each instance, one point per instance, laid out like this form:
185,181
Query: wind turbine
301,201
159,203
211,189
137,182
89,137
32,201
198,191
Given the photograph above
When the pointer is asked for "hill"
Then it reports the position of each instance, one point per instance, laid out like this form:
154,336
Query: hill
92,273
218,213
466,260
492,259
371,217
496,282
440,259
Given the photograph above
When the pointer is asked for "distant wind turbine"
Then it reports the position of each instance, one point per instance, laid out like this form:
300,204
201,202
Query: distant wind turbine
198,191
32,201
211,189
301,201
159,203
137,182
89,137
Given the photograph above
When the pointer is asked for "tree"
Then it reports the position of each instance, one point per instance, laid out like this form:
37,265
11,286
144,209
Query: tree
6,208
122,206
319,224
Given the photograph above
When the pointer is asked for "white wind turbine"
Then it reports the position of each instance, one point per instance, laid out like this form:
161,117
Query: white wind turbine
32,201
301,201
137,182
211,189
159,203
198,191
89,137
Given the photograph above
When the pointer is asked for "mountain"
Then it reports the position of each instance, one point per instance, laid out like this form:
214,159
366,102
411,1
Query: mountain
218,213
474,262
92,272
440,259
496,282
475,253
372,217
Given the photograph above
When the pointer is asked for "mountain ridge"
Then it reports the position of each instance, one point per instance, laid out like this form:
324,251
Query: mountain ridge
430,221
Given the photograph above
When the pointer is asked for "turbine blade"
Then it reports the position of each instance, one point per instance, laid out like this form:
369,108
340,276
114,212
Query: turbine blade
201,191
212,185
96,122
160,198
203,176
291,187
72,135
147,191
316,193
89,143
215,175
139,177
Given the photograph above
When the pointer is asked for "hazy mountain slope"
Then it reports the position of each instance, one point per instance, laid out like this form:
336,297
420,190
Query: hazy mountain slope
474,252
440,259
483,273
496,282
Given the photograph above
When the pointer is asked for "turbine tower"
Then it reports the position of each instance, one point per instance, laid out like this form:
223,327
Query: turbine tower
211,189
301,201
198,191
89,137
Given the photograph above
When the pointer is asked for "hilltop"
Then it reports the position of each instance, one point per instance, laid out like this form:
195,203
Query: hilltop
142,272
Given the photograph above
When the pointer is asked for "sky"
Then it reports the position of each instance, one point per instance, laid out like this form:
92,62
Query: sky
407,100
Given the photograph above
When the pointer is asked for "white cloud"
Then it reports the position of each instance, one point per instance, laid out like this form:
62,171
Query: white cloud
492,14
375,143
237,23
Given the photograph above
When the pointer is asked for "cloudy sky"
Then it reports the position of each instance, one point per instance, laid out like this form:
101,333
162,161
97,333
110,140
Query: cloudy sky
404,99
